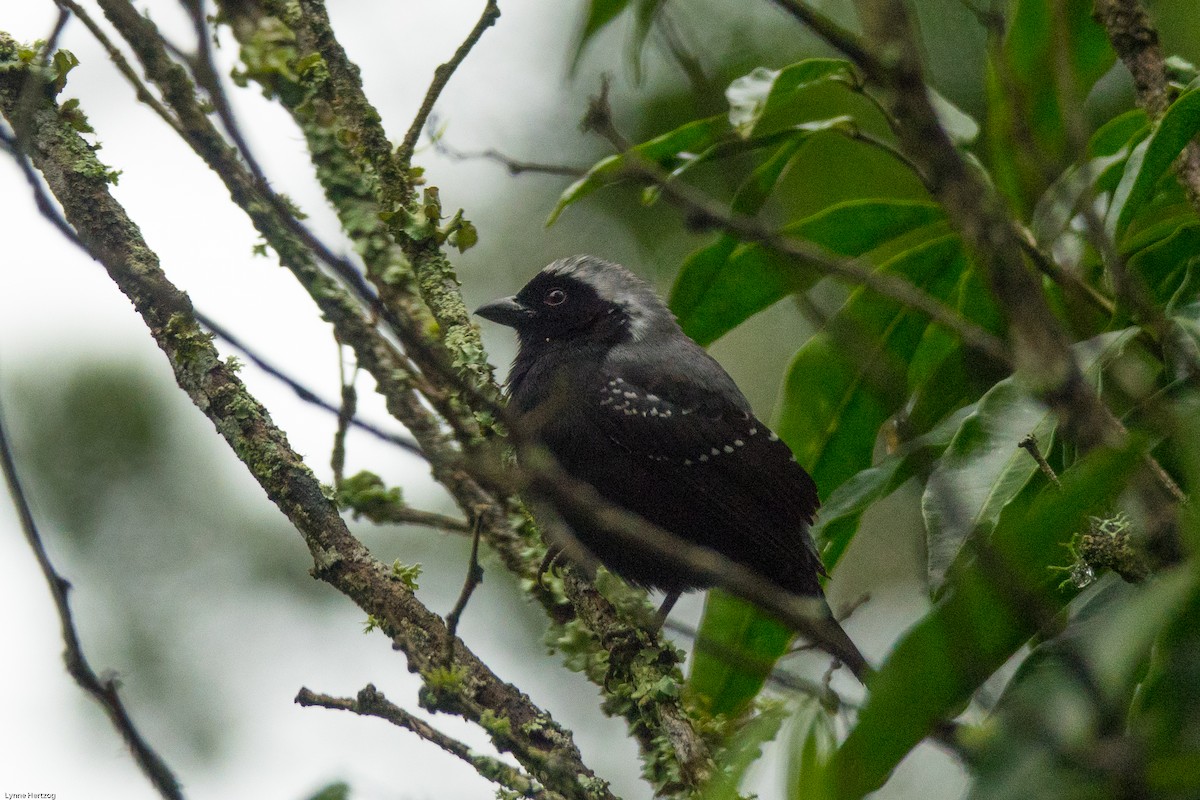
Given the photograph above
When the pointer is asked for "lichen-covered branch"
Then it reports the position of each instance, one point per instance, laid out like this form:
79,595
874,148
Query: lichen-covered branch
670,742
457,681
322,90
395,379
370,702
1135,40
273,27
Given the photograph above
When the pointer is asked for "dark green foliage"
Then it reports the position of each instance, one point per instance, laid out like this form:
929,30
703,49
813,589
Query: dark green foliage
879,397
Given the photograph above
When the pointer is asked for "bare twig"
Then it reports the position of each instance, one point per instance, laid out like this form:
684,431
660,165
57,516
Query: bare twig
703,87
45,205
514,166
208,78
144,94
779,678
473,579
103,691
395,376
1030,445
302,391
370,702
834,35
337,458
441,76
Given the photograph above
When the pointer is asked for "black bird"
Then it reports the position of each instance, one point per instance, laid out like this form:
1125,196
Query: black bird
638,410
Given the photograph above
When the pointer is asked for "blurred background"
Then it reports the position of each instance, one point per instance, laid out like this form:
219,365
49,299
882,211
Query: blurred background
187,582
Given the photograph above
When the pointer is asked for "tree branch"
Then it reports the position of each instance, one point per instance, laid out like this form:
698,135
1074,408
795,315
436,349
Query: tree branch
470,689
370,702
103,691
1135,40
441,76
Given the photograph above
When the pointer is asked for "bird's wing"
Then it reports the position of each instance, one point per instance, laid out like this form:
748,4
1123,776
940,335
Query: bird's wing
698,428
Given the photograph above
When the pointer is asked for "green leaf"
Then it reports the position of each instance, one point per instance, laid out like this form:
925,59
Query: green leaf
743,751
847,380
1109,635
1118,133
983,619
722,285
1166,716
735,651
600,14
983,468
1151,160
973,301
788,141
1026,117
664,151
813,741
842,511
1166,266
763,90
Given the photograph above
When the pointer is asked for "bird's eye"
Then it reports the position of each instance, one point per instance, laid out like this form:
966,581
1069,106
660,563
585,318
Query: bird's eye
555,297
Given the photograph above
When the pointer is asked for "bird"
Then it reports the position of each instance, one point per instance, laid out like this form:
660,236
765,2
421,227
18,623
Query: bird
625,401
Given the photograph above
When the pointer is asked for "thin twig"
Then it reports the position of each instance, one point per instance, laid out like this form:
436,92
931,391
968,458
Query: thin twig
1030,445
302,391
45,205
1065,278
775,676
49,210
702,85
143,92
205,71
441,76
473,579
834,35
514,166
337,458
395,375
859,135
103,691
370,702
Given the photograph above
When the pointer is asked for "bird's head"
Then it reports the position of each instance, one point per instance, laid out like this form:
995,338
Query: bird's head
582,298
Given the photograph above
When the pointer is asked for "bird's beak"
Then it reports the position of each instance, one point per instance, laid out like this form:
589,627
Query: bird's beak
507,311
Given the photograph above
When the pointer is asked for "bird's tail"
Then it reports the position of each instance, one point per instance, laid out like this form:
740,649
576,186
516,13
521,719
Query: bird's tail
832,637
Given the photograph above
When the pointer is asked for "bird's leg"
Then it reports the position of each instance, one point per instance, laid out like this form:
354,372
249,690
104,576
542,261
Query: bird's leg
552,553
660,617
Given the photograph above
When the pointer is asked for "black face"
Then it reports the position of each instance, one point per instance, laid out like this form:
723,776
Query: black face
552,307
